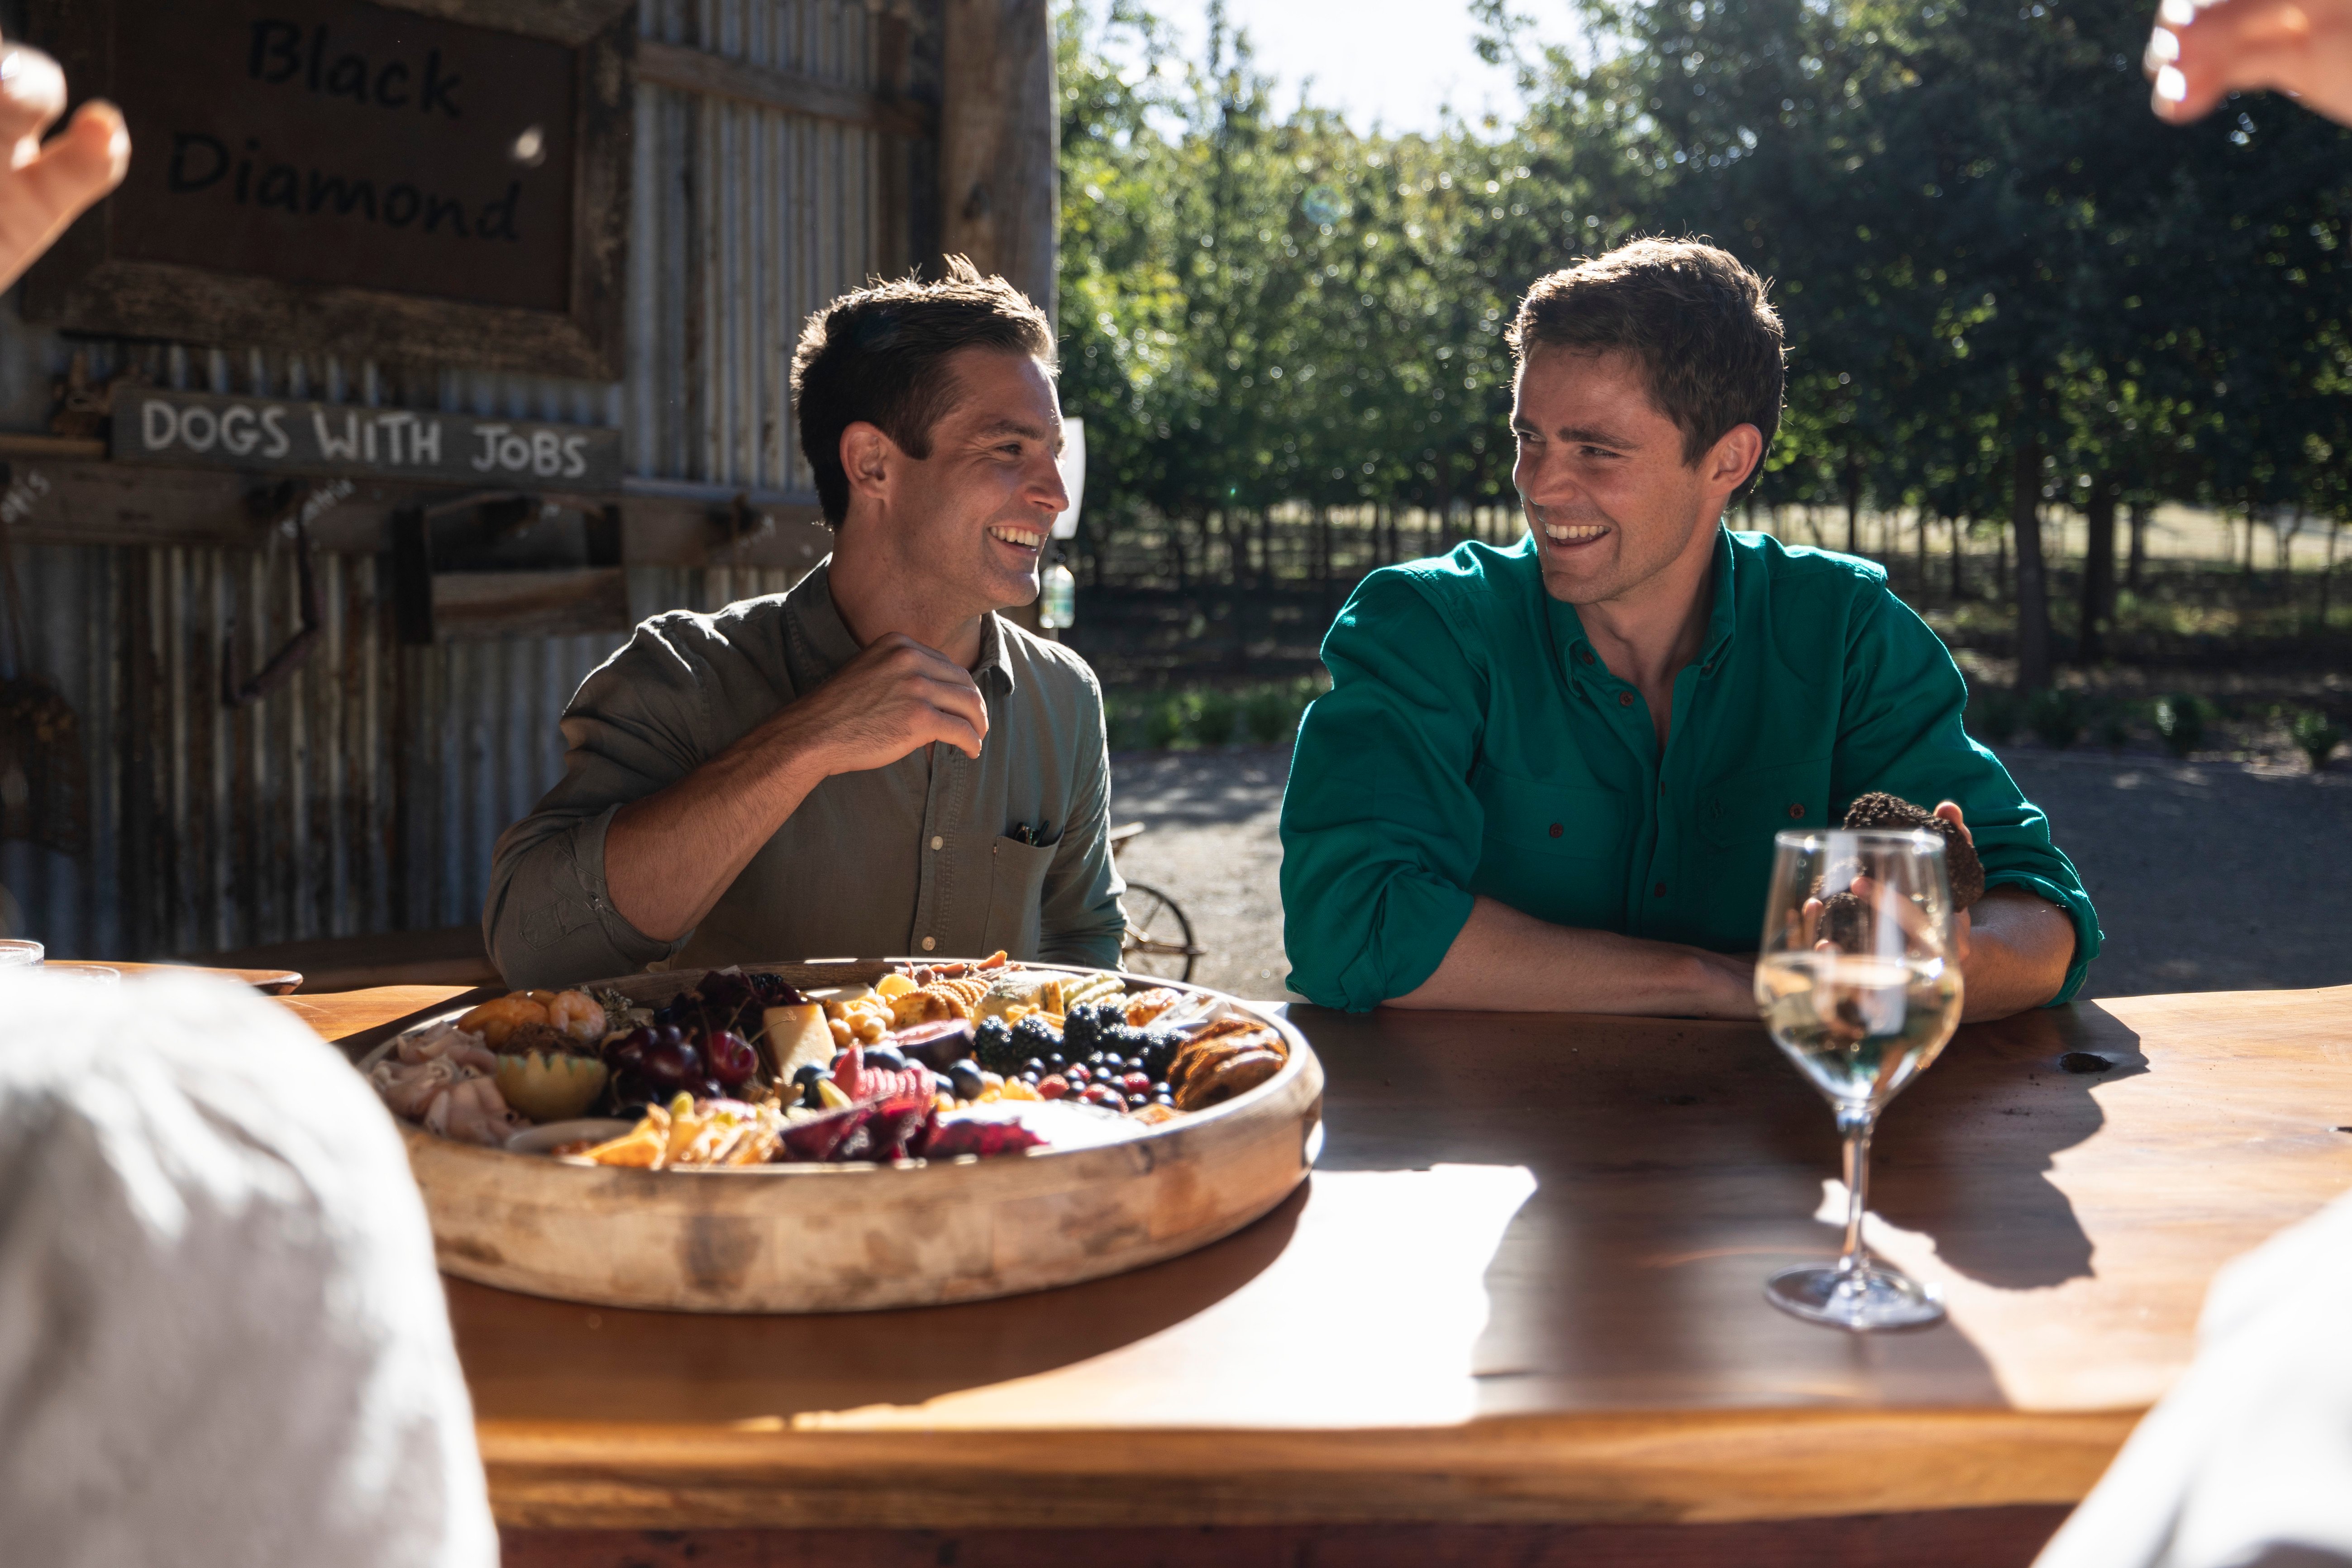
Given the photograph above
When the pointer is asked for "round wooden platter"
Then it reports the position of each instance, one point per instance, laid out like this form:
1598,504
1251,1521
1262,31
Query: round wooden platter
854,1237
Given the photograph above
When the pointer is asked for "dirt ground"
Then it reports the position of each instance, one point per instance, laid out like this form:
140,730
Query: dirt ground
2208,876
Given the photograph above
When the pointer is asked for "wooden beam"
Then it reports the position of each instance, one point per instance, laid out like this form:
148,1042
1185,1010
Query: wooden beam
716,75
1000,136
70,500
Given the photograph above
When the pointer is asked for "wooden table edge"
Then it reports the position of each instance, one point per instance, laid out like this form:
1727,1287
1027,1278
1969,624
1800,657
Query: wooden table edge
1608,1467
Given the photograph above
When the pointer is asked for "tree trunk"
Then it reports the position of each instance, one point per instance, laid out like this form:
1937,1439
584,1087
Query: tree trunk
2032,585
2138,545
2327,573
1923,554
2001,566
1853,504
2098,568
1960,560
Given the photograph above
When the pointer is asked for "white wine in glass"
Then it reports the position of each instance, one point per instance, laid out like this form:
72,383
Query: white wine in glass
1859,982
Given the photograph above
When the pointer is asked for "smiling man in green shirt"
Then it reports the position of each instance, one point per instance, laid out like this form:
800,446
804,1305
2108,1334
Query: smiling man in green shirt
1547,778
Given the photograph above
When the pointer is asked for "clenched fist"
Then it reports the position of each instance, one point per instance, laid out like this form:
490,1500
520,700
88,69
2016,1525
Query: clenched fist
893,699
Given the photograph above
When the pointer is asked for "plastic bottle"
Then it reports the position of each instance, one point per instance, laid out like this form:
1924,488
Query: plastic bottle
1058,598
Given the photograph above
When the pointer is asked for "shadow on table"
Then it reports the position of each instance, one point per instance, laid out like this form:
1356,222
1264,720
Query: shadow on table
527,1358
1970,1146
1679,1164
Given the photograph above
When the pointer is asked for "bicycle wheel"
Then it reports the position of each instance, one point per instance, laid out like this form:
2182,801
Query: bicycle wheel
1159,940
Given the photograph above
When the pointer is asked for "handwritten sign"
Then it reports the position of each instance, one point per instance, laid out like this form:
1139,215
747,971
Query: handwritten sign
271,434
337,142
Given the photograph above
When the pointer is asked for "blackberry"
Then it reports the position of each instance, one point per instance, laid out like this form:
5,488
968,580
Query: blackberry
994,1047
1082,1030
1158,1052
1032,1036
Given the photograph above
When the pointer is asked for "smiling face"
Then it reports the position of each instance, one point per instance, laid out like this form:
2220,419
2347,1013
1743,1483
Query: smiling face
1600,476
967,525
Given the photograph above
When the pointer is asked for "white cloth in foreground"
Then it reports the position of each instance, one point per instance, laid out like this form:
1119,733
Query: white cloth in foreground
222,1339
2248,1462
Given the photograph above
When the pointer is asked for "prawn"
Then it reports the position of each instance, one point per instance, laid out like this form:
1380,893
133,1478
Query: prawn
577,1014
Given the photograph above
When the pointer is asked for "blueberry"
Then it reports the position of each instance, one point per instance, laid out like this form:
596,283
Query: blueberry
806,1074
964,1078
889,1056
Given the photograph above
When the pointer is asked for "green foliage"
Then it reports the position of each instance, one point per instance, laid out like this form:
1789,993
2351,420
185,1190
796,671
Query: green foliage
2115,725
1213,715
1265,714
1992,715
2316,735
2055,715
2180,723
1999,277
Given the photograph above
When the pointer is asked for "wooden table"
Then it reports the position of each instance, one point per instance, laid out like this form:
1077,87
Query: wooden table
1519,1305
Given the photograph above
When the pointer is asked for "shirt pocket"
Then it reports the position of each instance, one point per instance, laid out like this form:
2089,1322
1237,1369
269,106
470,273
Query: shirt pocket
1740,812
1017,885
1550,850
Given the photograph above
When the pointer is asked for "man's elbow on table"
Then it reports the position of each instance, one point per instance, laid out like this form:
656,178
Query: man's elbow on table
2020,950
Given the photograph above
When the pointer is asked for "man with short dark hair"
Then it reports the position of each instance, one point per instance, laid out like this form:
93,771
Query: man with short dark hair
1547,778
875,763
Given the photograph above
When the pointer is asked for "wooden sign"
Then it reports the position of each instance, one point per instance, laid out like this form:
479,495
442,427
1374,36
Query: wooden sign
354,177
269,435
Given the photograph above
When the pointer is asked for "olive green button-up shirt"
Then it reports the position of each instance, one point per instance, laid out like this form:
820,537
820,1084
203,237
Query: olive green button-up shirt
926,856
1474,742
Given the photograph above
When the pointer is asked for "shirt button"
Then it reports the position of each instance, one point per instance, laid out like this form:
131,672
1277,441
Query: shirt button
1555,830
937,841
1585,654
1660,890
931,941
1796,809
1624,699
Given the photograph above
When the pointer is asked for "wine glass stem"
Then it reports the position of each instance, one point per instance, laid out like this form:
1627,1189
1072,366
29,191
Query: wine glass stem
1855,1124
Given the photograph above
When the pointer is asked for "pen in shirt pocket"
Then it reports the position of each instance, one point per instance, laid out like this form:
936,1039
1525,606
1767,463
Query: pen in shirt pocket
1025,833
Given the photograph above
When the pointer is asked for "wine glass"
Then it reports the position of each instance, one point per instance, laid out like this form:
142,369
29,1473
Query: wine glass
1859,982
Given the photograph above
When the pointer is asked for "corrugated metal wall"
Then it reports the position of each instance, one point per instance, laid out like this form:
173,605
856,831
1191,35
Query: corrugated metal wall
365,794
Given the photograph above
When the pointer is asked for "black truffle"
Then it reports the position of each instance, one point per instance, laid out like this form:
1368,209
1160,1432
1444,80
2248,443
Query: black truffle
1880,810
1845,923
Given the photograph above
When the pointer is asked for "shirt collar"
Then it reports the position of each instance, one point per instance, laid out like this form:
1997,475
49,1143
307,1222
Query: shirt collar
816,625
1722,620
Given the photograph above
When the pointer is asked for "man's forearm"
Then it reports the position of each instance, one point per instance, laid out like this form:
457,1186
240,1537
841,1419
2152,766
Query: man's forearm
2020,947
1503,960
669,857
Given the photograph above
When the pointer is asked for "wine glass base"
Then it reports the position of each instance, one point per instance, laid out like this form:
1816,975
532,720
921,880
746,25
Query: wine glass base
1862,1299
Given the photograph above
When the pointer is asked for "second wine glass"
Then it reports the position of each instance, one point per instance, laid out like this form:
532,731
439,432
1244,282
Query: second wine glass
1859,983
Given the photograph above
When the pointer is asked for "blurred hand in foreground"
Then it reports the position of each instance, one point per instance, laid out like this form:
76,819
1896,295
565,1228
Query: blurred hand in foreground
2202,51
48,185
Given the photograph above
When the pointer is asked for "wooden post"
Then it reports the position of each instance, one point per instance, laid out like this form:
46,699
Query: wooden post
1000,141
1000,146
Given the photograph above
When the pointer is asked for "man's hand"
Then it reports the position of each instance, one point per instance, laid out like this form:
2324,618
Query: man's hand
2013,949
46,187
670,857
893,699
2199,52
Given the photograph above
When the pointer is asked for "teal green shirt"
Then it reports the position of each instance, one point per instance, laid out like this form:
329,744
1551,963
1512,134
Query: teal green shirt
1474,742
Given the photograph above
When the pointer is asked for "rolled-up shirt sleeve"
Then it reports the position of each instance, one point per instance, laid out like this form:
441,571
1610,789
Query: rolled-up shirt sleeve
1901,732
1380,829
1080,918
639,723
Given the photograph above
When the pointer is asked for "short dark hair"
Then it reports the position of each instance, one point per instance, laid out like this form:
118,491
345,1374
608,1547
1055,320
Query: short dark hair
1690,315
878,354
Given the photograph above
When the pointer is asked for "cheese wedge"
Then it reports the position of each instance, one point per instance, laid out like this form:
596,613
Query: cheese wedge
796,1036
